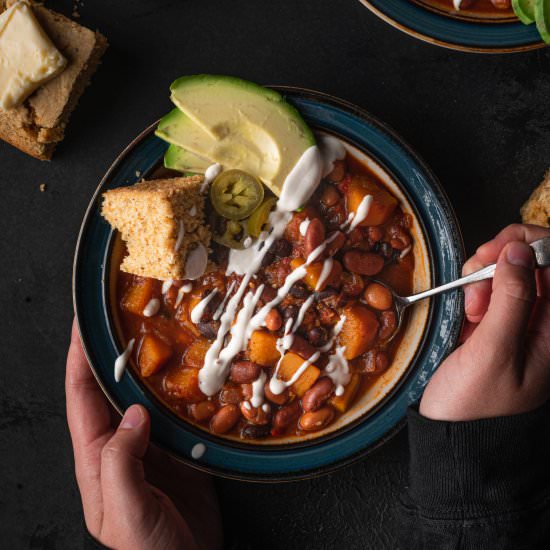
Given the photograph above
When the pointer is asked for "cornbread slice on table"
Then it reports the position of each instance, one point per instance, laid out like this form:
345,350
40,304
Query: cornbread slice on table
149,216
537,208
38,125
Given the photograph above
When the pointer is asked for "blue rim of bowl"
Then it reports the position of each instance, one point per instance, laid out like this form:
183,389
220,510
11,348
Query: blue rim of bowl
455,33
352,442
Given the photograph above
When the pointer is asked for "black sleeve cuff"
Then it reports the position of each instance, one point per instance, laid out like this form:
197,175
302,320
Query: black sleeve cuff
479,468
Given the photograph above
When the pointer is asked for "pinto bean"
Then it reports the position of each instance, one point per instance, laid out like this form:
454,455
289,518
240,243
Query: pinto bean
278,399
225,419
285,416
317,395
202,411
254,415
365,263
338,172
330,196
373,362
255,431
352,284
314,237
273,320
244,372
231,395
378,296
316,420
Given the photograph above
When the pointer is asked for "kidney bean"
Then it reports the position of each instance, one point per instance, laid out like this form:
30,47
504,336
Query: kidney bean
254,415
202,411
338,172
246,390
330,196
244,372
365,263
317,336
375,234
209,329
399,239
273,320
302,348
388,324
285,416
317,395
278,399
502,4
314,237
268,294
255,431
231,395
316,420
225,419
378,296
352,284
281,248
336,244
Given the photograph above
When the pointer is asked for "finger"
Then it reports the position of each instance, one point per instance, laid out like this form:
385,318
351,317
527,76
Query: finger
504,326
467,331
90,427
490,251
122,474
476,295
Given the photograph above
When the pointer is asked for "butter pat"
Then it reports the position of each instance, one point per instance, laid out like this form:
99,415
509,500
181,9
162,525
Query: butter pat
28,58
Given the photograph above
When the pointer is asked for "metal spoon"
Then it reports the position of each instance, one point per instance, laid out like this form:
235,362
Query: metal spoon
541,249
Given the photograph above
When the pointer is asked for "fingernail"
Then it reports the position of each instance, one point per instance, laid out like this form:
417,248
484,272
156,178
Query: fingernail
133,417
518,253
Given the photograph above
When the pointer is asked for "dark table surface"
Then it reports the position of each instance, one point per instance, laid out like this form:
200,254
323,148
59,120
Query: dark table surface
481,122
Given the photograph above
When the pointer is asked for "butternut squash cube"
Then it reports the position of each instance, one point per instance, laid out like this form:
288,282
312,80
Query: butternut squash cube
382,206
196,352
184,384
343,402
153,354
262,348
359,330
314,270
138,295
289,365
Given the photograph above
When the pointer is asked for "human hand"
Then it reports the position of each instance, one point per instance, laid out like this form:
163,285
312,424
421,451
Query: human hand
122,510
503,365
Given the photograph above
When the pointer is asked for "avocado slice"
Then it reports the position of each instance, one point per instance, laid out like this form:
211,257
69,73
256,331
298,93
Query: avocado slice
238,124
542,17
181,160
525,10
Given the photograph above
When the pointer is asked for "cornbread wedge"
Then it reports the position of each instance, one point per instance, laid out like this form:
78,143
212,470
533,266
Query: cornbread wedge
537,208
162,223
38,125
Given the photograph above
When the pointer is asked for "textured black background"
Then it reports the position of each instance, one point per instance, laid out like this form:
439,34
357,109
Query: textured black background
481,122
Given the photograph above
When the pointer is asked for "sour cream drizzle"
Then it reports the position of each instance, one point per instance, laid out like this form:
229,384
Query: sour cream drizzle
332,150
258,391
325,272
199,309
337,369
152,307
362,212
198,451
181,235
221,307
303,227
298,187
457,4
122,360
211,173
182,291
167,285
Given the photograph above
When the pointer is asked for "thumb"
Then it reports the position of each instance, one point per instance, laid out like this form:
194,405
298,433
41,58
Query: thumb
122,475
505,324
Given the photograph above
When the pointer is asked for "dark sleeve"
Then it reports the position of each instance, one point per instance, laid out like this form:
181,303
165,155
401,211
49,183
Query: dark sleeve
483,484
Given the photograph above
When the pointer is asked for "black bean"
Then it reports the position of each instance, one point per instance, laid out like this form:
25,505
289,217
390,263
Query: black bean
317,336
324,294
299,290
281,248
209,329
268,259
290,311
255,431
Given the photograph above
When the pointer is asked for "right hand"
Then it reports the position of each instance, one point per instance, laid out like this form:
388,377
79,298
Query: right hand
503,366
122,509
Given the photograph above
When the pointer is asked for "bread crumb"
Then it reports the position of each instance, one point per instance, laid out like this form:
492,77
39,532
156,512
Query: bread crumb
138,174
42,187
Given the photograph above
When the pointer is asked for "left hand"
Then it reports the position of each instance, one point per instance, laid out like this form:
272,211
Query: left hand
122,510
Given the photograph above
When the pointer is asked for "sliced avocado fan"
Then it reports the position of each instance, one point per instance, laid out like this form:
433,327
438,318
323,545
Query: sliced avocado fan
238,124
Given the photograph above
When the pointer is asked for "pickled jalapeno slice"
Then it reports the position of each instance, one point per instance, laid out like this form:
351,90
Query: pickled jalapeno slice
236,194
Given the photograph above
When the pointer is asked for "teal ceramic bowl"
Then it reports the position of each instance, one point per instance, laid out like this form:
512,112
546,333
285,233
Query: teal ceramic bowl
452,30
433,329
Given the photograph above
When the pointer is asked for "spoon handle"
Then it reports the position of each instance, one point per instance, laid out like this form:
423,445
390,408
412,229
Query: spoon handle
541,249
486,272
